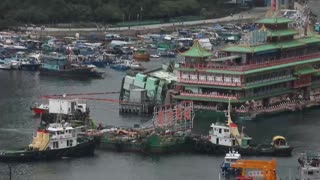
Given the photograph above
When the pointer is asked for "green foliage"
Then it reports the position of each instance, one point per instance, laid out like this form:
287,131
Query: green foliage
68,11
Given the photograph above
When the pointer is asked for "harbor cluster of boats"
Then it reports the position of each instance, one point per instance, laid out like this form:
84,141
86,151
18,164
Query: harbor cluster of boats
269,69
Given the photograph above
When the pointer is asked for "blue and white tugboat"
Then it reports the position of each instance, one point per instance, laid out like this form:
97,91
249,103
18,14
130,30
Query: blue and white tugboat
56,141
230,158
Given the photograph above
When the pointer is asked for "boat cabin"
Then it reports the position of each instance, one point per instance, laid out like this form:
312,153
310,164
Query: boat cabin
220,134
279,141
232,157
62,136
66,106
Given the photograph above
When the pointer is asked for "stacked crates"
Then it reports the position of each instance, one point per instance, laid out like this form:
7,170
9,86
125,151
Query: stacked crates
140,81
128,82
152,86
161,88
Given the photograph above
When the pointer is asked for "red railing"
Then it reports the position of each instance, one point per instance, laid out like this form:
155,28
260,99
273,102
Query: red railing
219,96
251,66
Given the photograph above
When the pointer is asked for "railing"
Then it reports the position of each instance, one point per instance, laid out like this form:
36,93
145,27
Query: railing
251,66
219,96
210,82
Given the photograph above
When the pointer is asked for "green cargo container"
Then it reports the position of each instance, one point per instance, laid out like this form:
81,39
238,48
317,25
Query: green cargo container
141,77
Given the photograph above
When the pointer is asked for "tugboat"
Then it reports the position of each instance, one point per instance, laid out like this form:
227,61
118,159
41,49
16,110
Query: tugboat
229,159
57,141
222,137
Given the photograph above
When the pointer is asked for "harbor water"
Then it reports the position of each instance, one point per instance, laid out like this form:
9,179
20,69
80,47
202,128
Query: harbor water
19,89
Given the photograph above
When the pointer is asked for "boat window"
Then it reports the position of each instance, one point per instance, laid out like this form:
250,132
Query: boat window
226,130
69,142
220,131
55,145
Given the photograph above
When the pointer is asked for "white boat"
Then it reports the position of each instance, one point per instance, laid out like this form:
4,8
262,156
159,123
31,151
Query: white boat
4,65
229,159
154,56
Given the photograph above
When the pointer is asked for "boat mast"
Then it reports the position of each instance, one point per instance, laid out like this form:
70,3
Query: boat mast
229,113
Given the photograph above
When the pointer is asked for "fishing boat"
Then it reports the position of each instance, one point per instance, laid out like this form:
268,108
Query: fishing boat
56,141
58,65
28,62
141,55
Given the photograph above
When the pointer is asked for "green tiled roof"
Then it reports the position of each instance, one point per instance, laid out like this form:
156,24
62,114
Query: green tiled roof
272,94
317,73
279,33
282,66
187,69
269,83
266,68
290,44
305,70
197,51
274,20
225,72
272,46
251,49
309,40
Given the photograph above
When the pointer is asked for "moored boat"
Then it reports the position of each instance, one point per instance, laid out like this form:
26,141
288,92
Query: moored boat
230,158
141,55
58,65
41,109
223,137
54,142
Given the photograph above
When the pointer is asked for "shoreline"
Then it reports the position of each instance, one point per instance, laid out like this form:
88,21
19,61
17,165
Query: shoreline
246,16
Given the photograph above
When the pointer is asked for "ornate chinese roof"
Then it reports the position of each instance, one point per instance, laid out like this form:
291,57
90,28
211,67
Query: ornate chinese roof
197,51
274,20
272,46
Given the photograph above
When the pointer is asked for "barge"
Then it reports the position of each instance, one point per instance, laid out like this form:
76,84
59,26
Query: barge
170,131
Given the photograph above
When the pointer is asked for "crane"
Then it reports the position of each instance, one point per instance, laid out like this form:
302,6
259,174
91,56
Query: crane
268,168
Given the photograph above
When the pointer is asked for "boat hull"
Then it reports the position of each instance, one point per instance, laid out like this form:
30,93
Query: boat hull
141,57
31,67
85,73
82,149
204,146
39,111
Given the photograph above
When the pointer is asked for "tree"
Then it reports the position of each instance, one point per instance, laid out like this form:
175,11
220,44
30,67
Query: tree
107,13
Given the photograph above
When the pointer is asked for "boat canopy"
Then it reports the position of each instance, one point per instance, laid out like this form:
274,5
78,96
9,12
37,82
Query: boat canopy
278,138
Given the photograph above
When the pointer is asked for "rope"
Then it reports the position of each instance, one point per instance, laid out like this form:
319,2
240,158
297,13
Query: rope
80,94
